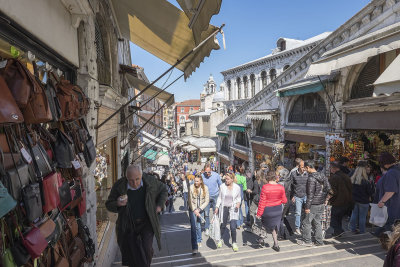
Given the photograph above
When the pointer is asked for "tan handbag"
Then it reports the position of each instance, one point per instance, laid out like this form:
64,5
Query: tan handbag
9,110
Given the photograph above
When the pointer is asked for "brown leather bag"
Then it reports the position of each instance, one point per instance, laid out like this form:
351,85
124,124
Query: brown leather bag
47,228
67,98
82,102
16,77
9,110
73,226
60,257
76,252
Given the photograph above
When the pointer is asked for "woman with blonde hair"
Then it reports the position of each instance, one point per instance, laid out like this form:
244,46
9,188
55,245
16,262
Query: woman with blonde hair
198,201
362,191
393,256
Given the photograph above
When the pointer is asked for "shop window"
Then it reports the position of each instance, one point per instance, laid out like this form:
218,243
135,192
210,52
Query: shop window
241,139
182,109
229,90
245,86
263,79
253,85
105,176
225,145
272,74
266,129
309,108
238,82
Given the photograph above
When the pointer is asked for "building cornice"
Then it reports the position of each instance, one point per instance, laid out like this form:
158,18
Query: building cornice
370,16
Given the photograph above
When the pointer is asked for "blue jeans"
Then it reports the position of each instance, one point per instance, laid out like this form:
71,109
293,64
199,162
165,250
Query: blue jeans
359,216
193,230
299,201
211,204
247,210
170,203
185,199
240,221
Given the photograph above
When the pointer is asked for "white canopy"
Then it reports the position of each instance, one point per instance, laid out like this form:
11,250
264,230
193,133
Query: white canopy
189,148
357,51
162,160
162,29
389,81
207,149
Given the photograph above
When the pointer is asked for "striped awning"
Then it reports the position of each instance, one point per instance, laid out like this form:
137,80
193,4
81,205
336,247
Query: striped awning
261,114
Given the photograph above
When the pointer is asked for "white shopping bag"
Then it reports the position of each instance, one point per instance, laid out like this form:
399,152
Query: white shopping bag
215,231
378,215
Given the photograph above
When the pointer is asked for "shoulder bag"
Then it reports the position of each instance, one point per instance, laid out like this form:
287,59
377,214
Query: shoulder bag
65,195
82,102
9,110
60,256
76,252
7,259
32,201
48,229
66,98
63,150
90,150
7,203
41,161
34,242
90,247
53,100
50,192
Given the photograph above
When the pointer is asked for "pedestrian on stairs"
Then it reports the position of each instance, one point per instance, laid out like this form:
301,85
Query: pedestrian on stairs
298,177
227,208
199,199
270,206
213,181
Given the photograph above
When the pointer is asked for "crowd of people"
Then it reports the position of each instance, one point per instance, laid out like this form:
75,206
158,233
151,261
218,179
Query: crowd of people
318,201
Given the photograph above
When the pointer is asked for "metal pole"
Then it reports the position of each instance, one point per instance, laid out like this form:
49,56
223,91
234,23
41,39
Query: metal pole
329,97
147,150
162,75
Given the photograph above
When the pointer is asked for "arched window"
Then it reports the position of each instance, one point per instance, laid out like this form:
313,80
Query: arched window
266,129
253,85
229,90
286,67
225,145
246,87
238,82
363,87
272,74
263,79
309,108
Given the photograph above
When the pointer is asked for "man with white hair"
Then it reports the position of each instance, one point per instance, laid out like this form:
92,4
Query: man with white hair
137,198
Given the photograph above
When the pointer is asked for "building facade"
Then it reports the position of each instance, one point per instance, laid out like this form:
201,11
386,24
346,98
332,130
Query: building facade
325,105
182,112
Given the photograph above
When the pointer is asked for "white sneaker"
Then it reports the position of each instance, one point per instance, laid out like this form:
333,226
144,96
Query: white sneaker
199,245
297,232
207,233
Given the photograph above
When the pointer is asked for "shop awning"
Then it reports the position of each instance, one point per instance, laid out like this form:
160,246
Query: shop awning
389,81
162,29
357,51
207,149
162,160
239,127
199,13
150,154
306,86
153,140
261,114
189,148
140,84
222,134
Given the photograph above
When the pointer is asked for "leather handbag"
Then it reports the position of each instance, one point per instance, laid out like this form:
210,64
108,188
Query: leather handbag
60,257
90,248
7,159
82,204
48,229
72,225
17,178
76,195
7,203
65,195
32,201
76,252
66,98
60,223
20,254
63,149
9,110
53,100
82,102
34,242
41,160
90,150
50,192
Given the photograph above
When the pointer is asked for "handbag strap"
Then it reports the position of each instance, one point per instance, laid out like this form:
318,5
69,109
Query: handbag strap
12,157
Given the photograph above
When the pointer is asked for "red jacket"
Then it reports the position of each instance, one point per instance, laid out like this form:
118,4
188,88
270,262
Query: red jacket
271,195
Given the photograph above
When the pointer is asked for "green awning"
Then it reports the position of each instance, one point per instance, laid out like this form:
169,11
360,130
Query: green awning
222,134
311,88
237,128
150,154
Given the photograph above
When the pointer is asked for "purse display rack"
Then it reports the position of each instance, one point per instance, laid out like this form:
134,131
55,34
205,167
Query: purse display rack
45,150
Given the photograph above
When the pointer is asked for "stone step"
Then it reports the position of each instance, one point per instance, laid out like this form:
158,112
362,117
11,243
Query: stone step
226,257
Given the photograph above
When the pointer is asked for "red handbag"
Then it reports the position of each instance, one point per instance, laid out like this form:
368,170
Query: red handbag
82,204
34,242
50,192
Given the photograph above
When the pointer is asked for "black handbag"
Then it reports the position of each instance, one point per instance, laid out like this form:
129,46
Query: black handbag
41,161
65,194
20,254
60,223
63,149
53,100
90,247
90,150
32,201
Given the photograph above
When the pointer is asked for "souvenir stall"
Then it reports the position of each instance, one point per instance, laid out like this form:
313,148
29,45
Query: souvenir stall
307,152
46,150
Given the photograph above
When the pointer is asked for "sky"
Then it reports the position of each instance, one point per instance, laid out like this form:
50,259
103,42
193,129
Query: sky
251,31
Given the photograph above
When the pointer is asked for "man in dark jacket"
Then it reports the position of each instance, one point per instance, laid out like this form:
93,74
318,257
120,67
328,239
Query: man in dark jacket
298,178
137,198
341,199
317,191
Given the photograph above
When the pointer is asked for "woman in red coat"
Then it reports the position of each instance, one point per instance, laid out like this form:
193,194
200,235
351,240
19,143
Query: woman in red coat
270,205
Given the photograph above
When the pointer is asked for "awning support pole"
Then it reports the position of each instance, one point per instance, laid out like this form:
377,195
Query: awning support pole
329,97
141,154
152,116
162,75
